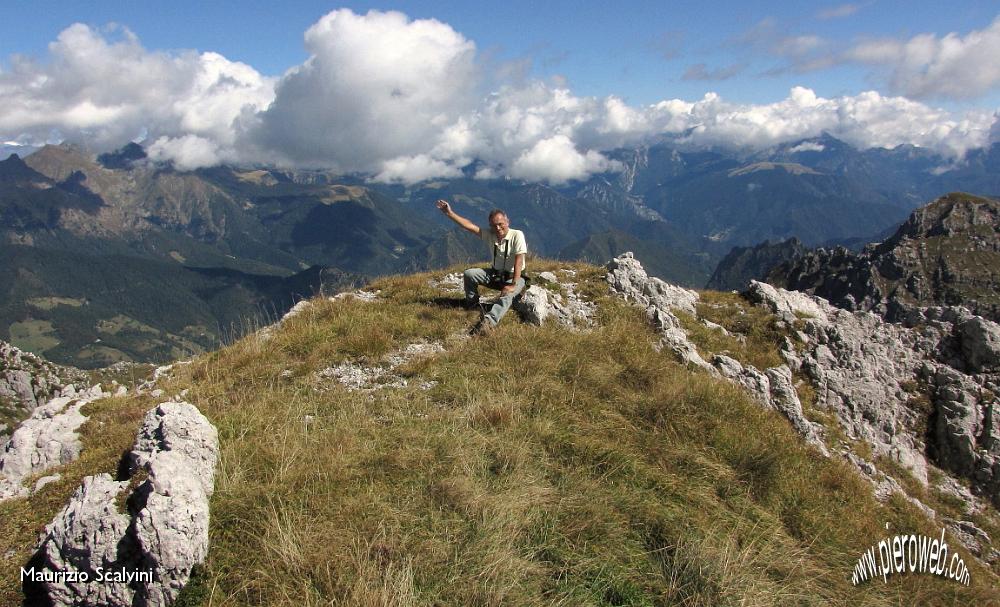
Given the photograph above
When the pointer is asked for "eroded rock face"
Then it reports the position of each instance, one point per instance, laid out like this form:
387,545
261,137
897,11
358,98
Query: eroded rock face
878,378
941,255
27,381
980,344
870,372
627,277
162,534
45,440
772,388
968,428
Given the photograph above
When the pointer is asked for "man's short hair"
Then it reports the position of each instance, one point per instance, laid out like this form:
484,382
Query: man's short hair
496,212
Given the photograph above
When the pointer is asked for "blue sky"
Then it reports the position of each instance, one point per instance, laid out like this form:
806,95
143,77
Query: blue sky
639,50
939,56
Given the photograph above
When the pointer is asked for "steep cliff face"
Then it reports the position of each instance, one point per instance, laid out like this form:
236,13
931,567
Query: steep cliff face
947,253
744,264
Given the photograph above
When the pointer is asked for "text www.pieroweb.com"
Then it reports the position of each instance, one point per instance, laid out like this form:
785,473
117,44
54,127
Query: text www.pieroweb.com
910,554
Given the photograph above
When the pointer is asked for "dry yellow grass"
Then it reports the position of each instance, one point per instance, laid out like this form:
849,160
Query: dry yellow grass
544,467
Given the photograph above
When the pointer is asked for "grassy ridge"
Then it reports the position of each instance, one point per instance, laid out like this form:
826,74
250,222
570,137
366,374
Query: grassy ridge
544,467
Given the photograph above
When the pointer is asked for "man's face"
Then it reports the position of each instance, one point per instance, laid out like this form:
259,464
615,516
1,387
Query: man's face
500,226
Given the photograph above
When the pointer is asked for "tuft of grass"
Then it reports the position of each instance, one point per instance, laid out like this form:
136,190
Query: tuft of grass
755,335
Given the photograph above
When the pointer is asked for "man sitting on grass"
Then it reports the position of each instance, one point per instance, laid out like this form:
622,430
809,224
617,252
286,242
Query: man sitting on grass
504,274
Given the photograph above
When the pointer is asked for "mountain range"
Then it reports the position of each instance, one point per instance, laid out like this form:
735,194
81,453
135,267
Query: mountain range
946,254
112,257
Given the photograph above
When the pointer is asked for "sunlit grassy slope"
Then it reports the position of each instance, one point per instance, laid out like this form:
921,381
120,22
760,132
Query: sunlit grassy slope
539,466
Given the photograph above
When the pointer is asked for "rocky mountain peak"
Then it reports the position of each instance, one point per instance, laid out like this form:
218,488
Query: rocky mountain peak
58,162
954,214
14,170
947,253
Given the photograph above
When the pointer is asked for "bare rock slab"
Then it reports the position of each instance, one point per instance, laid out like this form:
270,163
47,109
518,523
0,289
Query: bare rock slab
45,440
149,549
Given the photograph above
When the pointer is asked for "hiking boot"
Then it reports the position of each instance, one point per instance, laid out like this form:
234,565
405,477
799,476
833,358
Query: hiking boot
483,328
470,304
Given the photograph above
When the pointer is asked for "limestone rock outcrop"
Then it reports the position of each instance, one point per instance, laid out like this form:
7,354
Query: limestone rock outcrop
27,381
874,374
628,279
149,549
538,304
772,388
45,440
917,393
944,254
980,344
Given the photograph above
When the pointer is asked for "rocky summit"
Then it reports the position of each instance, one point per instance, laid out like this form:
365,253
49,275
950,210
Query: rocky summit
946,254
616,440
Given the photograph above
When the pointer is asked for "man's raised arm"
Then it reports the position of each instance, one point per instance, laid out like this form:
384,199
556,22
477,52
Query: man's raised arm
452,215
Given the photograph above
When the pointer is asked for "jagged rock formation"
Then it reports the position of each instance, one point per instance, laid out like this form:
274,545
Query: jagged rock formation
45,440
743,264
866,371
947,253
27,381
148,551
538,304
858,364
872,374
980,344
918,395
628,279
773,388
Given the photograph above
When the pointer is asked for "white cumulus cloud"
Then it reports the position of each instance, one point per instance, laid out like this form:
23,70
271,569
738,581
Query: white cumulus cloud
865,120
411,169
406,100
375,87
105,89
951,66
187,153
807,146
556,160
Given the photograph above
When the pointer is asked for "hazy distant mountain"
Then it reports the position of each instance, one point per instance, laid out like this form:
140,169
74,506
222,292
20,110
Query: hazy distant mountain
661,259
224,228
735,201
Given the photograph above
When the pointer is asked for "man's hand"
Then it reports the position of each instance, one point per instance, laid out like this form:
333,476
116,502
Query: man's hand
465,224
507,289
